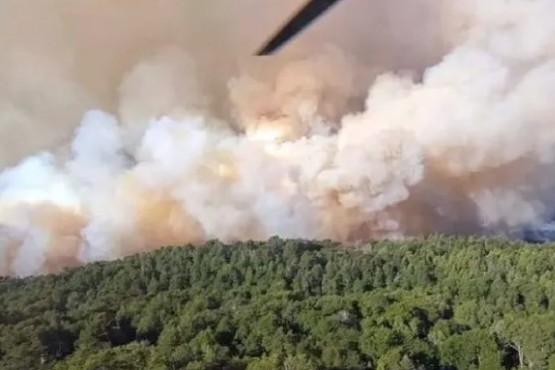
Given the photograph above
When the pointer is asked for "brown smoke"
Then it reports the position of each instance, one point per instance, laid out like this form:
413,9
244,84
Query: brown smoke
154,125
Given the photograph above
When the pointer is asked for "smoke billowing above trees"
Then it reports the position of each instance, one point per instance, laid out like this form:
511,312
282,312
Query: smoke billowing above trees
133,125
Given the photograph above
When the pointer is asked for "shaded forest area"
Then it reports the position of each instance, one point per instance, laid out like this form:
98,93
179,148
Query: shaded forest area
436,303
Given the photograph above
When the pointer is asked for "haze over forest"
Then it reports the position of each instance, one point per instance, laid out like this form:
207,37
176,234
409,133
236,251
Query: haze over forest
130,125
148,159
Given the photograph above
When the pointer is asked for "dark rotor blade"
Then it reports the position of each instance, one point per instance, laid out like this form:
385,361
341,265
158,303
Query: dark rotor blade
304,17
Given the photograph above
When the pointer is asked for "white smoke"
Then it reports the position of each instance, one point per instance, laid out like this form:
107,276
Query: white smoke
382,137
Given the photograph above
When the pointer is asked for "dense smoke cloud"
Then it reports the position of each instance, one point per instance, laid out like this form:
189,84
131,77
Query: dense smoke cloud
131,125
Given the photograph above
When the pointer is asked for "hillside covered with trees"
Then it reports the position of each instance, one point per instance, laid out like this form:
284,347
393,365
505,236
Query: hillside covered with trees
435,303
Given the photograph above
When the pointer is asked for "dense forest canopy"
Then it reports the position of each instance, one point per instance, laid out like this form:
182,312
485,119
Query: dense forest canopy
436,303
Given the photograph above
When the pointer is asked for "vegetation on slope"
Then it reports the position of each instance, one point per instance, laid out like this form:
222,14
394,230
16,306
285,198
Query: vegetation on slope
435,303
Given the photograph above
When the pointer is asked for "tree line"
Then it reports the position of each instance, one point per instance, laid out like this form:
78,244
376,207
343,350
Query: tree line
438,302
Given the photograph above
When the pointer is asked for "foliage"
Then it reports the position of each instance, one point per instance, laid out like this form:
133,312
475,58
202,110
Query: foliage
435,303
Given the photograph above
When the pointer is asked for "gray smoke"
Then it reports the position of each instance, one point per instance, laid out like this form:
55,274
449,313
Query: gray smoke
131,125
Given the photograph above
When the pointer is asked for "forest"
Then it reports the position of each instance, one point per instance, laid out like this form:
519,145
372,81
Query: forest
427,303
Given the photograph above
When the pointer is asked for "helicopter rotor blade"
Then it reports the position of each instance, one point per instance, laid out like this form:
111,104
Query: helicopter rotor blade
302,19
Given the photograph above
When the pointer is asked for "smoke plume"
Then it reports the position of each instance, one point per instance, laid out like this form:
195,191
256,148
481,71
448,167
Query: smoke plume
130,125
